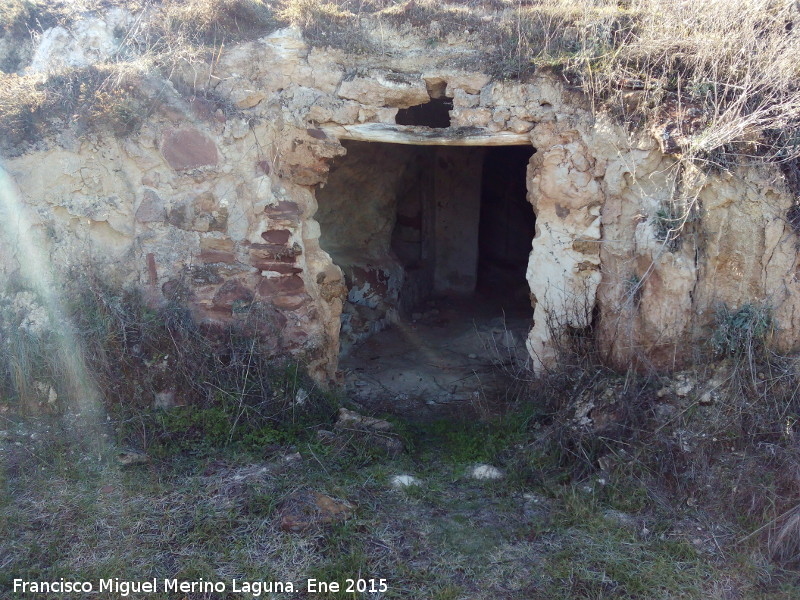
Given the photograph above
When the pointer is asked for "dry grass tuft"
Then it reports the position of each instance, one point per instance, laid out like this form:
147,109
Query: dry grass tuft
19,17
102,97
785,539
216,21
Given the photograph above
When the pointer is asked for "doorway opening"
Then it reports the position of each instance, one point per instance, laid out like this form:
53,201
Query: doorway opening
507,225
434,114
434,244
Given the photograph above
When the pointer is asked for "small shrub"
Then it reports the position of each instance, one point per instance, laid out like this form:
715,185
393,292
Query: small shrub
667,224
117,108
218,387
225,423
733,67
742,332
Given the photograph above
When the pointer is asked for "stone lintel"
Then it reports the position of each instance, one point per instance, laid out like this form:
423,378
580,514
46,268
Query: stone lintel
426,136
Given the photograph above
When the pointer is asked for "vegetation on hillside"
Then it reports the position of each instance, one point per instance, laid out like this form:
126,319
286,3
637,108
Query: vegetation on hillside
732,67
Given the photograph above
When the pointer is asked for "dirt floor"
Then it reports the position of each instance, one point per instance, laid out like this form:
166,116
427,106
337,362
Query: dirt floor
450,351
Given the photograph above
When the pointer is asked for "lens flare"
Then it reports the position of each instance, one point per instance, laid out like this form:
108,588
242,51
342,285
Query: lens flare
23,248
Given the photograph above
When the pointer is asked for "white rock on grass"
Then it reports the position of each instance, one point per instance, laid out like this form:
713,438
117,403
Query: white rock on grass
401,481
486,472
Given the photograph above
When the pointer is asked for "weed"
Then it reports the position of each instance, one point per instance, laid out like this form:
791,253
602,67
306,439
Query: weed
327,24
345,557
448,592
633,289
733,69
463,442
170,385
744,332
668,224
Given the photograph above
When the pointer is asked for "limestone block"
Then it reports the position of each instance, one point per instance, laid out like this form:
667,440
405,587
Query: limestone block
471,83
84,42
329,109
247,98
381,115
382,88
326,70
470,117
462,99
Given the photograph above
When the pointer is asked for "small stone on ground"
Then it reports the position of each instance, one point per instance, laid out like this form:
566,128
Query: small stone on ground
401,481
486,472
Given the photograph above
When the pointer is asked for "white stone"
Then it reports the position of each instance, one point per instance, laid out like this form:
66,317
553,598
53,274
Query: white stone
87,41
402,481
485,472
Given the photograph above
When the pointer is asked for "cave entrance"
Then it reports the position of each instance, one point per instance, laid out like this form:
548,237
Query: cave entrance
433,240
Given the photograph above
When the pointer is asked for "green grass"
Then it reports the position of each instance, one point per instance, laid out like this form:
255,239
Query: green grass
216,513
463,441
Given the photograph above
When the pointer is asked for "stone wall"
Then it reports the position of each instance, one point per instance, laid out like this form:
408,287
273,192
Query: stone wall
217,195
357,215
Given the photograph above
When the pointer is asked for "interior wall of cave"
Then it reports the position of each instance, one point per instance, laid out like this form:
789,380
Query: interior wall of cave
402,222
406,222
358,213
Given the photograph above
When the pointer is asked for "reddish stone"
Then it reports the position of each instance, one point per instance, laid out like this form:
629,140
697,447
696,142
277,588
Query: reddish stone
206,109
264,166
277,236
151,208
278,267
216,256
178,216
152,273
268,263
229,292
295,338
317,134
274,286
290,302
188,149
285,210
